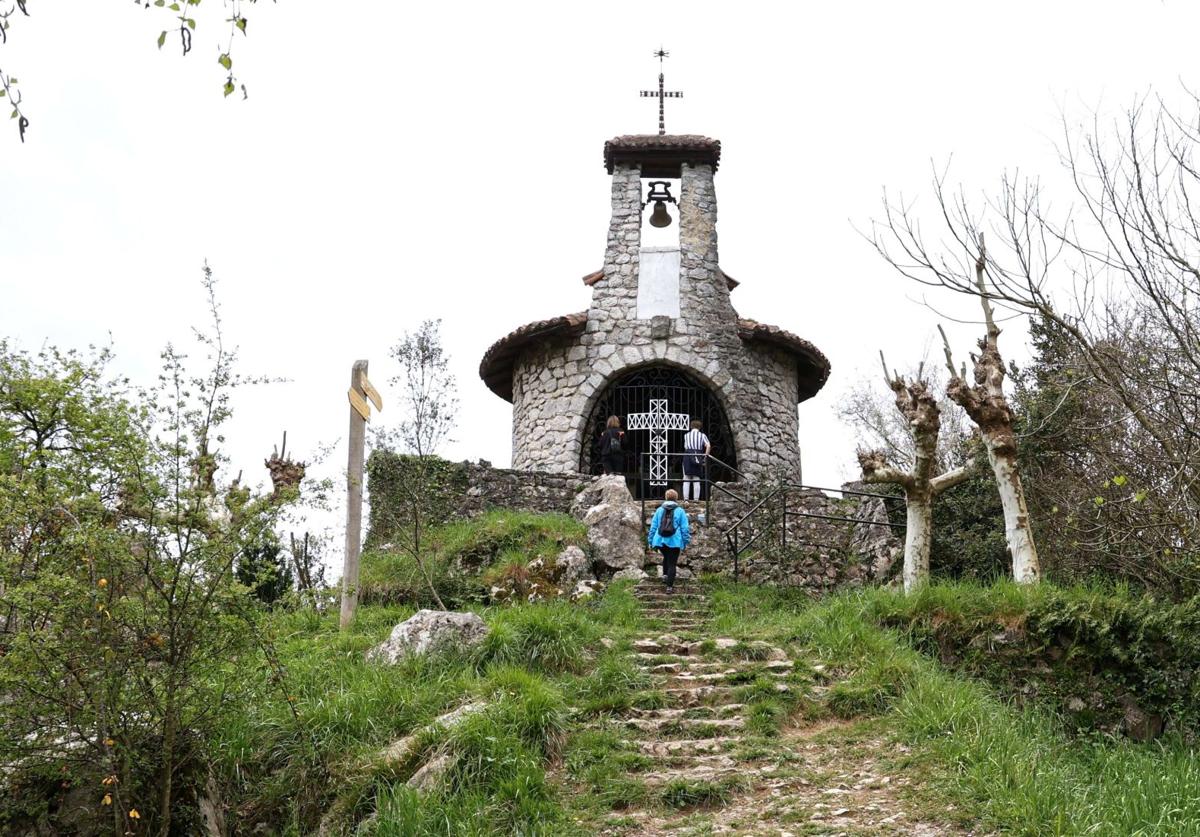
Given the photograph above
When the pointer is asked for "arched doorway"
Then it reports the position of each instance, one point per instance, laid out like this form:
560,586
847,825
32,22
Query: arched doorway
632,393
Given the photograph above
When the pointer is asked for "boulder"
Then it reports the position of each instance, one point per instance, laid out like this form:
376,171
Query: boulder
600,491
614,524
571,567
428,630
585,589
1139,724
630,573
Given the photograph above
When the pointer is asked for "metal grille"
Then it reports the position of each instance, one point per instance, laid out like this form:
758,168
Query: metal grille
631,395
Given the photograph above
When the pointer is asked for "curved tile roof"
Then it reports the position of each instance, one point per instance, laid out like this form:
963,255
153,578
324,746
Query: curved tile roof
668,150
496,367
814,368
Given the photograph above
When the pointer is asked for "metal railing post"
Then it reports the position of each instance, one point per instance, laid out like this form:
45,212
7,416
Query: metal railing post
737,553
783,519
707,493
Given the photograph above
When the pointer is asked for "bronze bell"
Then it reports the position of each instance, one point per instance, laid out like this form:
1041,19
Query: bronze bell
660,217
660,193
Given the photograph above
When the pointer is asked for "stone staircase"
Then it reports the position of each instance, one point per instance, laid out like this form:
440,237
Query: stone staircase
693,735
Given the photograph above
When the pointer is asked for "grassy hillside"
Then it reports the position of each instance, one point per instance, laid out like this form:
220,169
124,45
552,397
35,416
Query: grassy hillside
465,557
532,763
1016,769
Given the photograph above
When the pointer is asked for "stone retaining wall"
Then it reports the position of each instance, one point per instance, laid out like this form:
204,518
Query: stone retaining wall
536,491
818,554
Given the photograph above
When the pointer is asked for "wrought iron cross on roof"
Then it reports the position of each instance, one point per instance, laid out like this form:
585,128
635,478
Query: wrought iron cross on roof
661,94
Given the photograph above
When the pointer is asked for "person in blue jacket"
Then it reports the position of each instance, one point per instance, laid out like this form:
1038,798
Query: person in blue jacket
669,538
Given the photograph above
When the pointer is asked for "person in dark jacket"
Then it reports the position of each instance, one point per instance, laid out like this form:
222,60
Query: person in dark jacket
672,544
612,447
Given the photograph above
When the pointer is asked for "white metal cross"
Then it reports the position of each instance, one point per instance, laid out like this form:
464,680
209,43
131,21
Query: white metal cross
658,421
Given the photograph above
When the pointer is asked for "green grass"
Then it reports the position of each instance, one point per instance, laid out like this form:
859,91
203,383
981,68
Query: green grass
464,557
539,759
692,793
1016,769
312,744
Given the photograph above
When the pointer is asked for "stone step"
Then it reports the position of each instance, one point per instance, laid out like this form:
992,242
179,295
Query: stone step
713,678
684,725
699,773
694,659
654,647
726,710
692,667
687,746
699,692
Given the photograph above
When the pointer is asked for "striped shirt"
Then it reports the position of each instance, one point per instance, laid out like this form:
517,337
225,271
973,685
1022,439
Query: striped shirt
694,441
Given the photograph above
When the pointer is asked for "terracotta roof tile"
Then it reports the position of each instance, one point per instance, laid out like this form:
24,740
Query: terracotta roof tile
496,367
497,364
669,149
812,374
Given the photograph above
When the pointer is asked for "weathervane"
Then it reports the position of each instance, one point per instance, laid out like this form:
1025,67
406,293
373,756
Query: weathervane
661,94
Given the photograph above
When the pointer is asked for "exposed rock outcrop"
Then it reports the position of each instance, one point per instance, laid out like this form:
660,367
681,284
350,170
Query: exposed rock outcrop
429,630
614,524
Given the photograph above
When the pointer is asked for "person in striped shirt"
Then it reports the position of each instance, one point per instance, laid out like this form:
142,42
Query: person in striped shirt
696,447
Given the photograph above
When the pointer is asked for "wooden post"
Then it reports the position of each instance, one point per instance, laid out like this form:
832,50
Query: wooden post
359,412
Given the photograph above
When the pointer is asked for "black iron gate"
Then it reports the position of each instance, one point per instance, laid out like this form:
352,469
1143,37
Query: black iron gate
632,393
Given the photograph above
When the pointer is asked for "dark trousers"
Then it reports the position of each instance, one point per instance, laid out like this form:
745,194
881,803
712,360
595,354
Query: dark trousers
613,463
670,556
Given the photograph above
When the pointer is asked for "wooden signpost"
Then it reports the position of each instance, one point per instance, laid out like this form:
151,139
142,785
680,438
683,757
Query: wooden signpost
360,413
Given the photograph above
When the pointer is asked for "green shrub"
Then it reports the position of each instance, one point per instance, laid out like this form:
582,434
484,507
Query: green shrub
1103,647
442,492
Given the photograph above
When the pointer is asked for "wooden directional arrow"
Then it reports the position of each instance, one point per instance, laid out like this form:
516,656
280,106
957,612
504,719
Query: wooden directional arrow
371,393
359,404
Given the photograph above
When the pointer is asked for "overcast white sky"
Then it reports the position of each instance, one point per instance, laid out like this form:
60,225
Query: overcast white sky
444,160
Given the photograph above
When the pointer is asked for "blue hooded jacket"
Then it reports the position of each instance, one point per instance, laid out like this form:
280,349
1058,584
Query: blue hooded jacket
683,534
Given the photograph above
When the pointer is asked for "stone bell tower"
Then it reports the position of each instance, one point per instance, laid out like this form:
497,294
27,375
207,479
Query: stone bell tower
660,333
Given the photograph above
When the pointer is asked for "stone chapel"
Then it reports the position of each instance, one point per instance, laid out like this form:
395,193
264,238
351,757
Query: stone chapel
661,342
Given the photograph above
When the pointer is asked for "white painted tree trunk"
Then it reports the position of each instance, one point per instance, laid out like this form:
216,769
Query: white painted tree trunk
920,409
988,407
1017,532
918,534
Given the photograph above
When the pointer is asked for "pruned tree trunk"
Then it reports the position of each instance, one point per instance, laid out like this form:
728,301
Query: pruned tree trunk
921,487
988,407
918,537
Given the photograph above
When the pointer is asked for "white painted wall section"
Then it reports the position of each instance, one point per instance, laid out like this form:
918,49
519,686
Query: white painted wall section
658,282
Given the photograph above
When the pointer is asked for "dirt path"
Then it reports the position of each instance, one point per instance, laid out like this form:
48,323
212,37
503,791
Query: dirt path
716,759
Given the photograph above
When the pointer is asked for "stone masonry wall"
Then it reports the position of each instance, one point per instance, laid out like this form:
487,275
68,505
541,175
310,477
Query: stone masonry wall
556,385
818,555
536,491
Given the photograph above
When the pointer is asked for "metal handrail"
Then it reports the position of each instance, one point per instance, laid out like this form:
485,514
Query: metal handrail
845,491
732,533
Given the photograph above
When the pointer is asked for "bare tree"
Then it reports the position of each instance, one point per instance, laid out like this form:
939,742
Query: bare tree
871,411
917,404
988,407
1119,277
